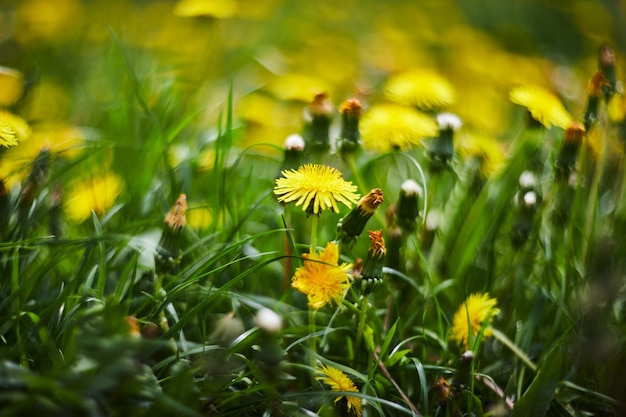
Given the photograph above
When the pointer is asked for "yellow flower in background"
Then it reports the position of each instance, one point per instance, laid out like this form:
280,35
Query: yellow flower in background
298,87
199,217
43,20
321,278
220,9
389,126
13,129
96,193
542,104
321,185
339,381
424,89
484,149
11,86
617,108
477,311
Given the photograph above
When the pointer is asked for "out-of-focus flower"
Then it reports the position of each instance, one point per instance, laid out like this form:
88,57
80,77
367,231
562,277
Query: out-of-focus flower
13,129
441,149
47,101
268,320
168,254
339,381
486,150
566,160
596,84
321,185
442,390
424,89
199,217
406,209
477,311
11,86
42,20
298,87
220,9
318,119
97,193
391,126
321,278
543,106
617,108
350,137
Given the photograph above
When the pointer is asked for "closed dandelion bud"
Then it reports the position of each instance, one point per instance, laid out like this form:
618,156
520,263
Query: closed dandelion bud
407,210
594,90
372,273
317,133
463,374
606,64
350,138
294,148
529,202
442,390
566,161
394,247
351,226
168,252
442,149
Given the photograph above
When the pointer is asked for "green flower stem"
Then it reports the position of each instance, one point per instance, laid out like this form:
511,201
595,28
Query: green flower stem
312,344
362,318
313,242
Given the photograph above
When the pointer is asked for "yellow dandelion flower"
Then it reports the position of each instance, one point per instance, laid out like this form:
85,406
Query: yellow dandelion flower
321,278
320,184
543,105
220,9
339,381
424,89
391,126
13,129
476,311
199,217
11,86
298,87
486,150
97,194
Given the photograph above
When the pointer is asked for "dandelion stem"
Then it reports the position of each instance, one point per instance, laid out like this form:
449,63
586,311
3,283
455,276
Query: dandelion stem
313,242
312,344
362,318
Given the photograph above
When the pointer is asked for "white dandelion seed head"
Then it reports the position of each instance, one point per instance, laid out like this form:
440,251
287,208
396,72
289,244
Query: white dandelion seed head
530,198
527,180
268,320
410,187
449,121
294,142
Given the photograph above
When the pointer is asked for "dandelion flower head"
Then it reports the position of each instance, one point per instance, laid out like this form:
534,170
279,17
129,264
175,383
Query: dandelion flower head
339,381
543,105
392,126
219,9
316,188
424,89
11,86
321,278
13,129
470,317
97,194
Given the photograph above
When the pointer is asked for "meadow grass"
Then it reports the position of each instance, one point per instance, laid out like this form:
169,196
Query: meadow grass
148,307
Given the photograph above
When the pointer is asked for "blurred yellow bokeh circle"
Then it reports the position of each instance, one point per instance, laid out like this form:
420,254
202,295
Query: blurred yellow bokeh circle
11,86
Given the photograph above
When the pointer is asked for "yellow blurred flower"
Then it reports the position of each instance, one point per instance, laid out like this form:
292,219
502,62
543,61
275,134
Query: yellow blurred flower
339,381
617,108
391,126
298,87
13,129
484,149
95,193
47,101
321,185
199,217
543,105
424,89
220,9
11,86
43,20
477,311
321,278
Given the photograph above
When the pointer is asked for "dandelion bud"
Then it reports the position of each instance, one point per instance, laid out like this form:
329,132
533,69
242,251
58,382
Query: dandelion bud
350,138
350,227
294,148
463,374
168,253
317,132
528,180
442,148
523,226
442,390
566,161
268,320
407,211
372,273
606,64
596,85
133,326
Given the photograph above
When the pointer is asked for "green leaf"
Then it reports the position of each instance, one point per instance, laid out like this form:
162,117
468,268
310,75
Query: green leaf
537,398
